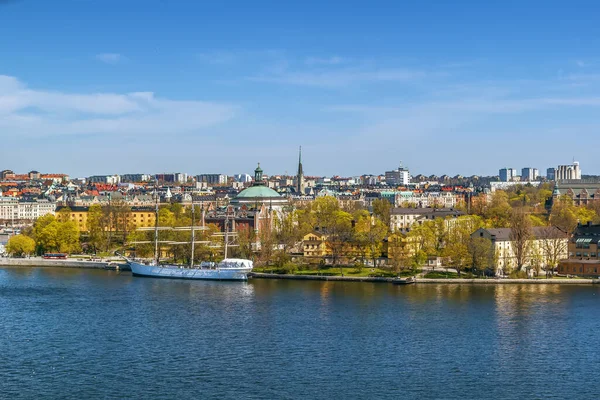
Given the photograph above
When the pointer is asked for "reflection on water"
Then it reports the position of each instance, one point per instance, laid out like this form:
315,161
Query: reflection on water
104,334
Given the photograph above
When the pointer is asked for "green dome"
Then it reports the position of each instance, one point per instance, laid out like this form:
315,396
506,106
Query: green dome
254,192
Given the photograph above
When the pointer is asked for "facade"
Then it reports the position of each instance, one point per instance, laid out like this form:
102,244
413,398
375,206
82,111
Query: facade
398,177
403,219
550,174
568,172
507,174
439,199
529,174
584,255
213,179
107,179
547,246
582,192
133,178
137,217
21,210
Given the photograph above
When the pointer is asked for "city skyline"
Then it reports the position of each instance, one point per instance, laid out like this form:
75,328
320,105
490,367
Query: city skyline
158,86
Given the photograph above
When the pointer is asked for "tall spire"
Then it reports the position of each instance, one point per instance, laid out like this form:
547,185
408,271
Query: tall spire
300,172
300,176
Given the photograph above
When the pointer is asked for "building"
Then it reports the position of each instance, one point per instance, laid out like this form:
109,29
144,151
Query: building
136,217
568,172
212,179
584,254
551,174
403,219
24,210
398,177
529,174
546,248
582,192
133,178
507,174
107,179
243,178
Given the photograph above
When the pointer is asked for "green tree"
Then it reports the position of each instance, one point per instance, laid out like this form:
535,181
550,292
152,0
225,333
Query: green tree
520,236
382,209
20,245
481,253
95,229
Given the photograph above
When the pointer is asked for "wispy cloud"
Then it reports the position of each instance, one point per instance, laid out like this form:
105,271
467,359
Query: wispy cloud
333,60
31,112
340,77
109,58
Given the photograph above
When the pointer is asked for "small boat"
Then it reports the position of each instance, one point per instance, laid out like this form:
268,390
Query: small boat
404,281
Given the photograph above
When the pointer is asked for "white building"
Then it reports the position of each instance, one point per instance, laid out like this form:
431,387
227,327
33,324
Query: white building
545,241
108,179
244,178
398,177
12,209
568,172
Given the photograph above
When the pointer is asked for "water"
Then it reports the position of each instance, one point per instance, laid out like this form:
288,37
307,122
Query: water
81,334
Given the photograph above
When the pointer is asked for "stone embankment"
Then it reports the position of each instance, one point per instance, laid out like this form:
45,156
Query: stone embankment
40,262
259,275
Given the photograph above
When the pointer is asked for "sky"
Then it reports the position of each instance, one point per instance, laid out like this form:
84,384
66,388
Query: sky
93,87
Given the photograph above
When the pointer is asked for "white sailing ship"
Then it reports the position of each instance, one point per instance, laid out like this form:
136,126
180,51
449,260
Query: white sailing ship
230,269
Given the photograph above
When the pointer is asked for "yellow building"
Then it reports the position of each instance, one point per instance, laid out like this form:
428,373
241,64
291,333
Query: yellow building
136,218
314,244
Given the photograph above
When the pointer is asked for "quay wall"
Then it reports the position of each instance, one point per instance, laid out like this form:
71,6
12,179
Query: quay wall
258,275
39,262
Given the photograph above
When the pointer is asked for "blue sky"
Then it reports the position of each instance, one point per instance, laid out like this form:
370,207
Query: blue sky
105,86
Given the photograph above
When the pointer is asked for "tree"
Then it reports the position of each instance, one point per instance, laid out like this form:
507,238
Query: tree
339,235
20,245
481,254
563,214
554,243
382,209
457,250
368,235
520,236
498,210
398,252
94,227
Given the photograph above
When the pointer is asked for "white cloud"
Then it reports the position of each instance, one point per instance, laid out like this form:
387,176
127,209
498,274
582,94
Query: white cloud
109,58
341,77
333,60
40,113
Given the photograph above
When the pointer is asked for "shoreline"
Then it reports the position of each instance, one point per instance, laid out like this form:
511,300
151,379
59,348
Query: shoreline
493,281
40,262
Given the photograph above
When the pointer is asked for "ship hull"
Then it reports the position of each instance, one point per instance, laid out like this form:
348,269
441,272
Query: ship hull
177,272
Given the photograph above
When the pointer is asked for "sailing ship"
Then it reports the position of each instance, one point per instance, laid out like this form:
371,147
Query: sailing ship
230,269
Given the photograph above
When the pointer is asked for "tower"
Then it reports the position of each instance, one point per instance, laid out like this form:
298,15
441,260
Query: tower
300,175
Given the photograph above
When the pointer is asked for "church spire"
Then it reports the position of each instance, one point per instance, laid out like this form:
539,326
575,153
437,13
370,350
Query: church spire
300,176
300,172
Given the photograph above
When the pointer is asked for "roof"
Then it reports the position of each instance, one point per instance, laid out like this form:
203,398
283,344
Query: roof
257,192
503,234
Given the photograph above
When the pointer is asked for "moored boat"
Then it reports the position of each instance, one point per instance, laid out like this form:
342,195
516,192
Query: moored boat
231,269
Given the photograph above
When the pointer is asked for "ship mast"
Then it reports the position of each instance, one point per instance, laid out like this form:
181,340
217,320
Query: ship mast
156,224
193,238
226,232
